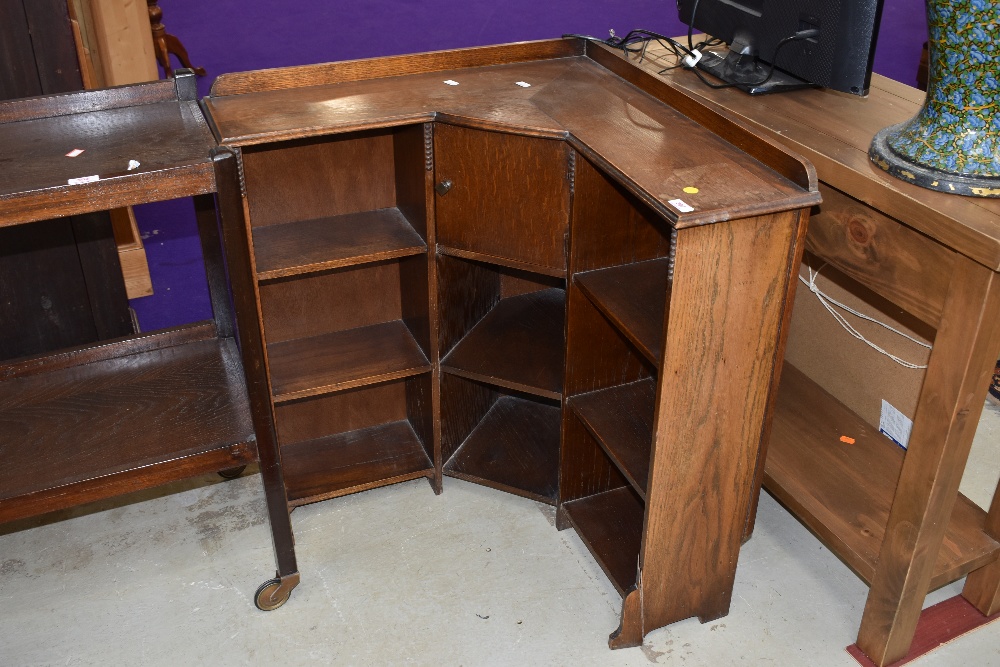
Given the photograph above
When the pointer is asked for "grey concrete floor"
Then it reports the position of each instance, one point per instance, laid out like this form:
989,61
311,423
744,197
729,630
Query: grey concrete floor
400,576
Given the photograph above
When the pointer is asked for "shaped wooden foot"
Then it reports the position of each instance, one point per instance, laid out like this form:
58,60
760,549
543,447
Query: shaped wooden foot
629,633
164,44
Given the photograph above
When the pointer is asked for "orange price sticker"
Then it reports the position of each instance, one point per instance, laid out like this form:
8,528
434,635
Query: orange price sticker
847,440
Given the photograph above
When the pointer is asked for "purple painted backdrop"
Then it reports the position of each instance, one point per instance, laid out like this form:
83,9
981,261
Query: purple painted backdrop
238,35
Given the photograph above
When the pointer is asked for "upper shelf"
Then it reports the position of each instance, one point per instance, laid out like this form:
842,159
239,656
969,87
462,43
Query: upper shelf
518,345
140,143
631,129
294,248
844,492
174,404
634,297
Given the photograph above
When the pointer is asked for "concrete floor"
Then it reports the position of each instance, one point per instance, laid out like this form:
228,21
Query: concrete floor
399,576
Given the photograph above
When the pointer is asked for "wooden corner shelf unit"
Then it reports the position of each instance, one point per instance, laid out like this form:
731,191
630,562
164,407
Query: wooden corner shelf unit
897,519
580,303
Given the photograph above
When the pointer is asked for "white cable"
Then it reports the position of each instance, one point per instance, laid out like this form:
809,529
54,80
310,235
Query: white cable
829,302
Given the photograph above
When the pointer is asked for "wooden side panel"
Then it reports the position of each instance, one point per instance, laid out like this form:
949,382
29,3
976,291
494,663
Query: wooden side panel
333,301
901,265
125,41
731,279
466,292
18,76
610,226
55,49
463,405
509,196
960,365
305,180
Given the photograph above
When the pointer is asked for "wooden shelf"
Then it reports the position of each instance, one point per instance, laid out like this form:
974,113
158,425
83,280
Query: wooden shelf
514,448
294,248
518,345
138,413
621,420
343,359
343,463
634,297
610,524
501,261
843,493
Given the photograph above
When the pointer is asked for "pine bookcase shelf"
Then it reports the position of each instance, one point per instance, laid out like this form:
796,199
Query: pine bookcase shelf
343,359
518,345
295,248
514,448
348,462
621,419
634,298
610,524
848,504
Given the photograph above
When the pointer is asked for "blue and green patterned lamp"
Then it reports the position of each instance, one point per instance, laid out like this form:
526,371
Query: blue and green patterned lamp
953,144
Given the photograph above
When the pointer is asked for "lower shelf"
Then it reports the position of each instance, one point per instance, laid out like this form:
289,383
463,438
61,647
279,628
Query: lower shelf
843,492
117,417
610,524
621,419
514,448
344,463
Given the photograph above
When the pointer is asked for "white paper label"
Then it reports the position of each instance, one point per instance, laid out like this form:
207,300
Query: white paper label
894,425
84,179
681,205
524,84
451,82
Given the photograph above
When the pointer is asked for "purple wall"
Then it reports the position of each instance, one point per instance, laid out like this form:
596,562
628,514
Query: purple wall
238,35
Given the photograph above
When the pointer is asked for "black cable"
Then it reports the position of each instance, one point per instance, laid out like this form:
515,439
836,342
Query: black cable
804,34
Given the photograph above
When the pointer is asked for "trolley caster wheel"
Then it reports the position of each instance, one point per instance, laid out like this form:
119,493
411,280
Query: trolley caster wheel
263,597
232,473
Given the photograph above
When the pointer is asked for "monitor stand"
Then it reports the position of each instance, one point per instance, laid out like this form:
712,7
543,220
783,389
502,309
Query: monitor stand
744,71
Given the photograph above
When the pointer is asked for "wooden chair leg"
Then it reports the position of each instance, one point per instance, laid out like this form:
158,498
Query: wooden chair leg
164,44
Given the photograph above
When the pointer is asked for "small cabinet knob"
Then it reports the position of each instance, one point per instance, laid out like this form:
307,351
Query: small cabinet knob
443,187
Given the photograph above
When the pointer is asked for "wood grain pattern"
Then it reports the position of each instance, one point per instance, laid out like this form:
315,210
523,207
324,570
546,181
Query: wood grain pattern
67,104
161,405
518,345
343,359
309,246
903,266
509,198
610,524
348,410
334,300
847,504
635,298
352,70
344,463
708,426
960,365
312,179
515,448
834,132
621,419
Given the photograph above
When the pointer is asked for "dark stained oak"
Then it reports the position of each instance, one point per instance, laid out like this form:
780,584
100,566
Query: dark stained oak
342,359
520,190
621,420
170,409
634,297
514,448
353,461
848,504
518,345
610,524
295,248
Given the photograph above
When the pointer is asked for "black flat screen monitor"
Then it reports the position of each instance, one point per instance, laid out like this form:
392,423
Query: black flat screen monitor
829,43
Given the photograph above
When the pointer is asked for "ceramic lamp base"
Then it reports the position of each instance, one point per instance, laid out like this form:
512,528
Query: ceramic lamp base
927,177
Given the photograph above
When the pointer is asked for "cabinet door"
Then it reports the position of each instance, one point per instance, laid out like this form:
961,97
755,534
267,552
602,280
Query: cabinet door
508,199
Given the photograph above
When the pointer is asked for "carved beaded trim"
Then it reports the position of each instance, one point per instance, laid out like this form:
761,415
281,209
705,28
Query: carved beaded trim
428,147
